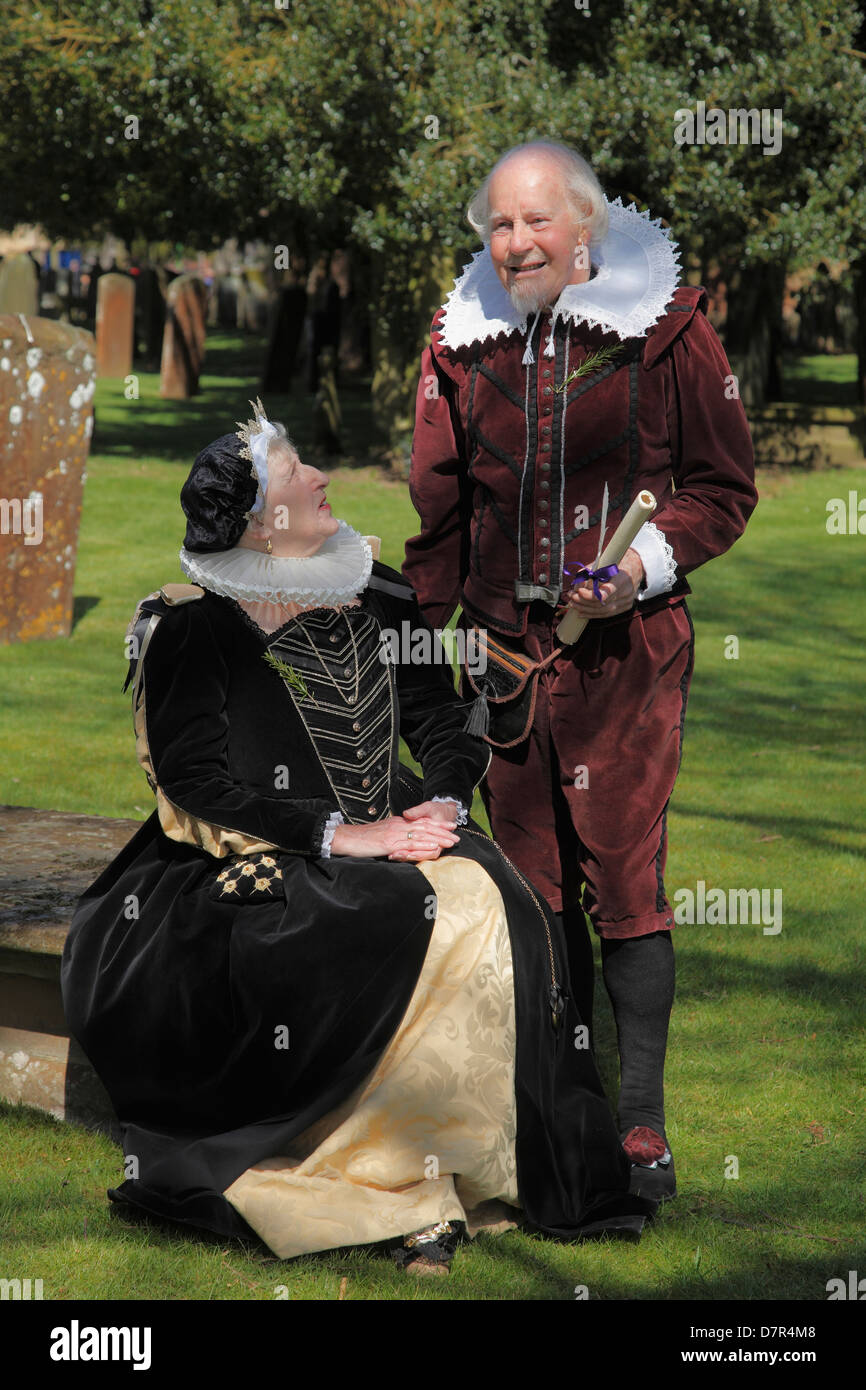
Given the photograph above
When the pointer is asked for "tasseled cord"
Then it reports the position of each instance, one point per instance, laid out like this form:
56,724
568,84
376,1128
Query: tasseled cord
528,354
478,722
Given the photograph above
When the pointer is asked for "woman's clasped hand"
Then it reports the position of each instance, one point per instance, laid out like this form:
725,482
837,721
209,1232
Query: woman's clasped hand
422,832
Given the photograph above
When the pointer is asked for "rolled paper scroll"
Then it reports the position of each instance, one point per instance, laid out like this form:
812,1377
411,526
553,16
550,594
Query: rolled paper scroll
641,509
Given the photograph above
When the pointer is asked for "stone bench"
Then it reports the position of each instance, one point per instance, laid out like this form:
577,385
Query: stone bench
47,860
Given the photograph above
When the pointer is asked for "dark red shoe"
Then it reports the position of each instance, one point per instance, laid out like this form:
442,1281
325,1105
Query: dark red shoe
652,1164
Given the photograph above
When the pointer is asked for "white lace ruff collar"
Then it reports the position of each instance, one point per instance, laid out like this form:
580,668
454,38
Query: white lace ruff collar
637,273
337,573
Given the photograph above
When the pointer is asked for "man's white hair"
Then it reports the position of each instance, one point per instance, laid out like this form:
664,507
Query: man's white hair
582,189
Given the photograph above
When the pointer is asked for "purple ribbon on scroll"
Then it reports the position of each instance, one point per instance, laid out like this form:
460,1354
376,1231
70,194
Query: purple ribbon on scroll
579,573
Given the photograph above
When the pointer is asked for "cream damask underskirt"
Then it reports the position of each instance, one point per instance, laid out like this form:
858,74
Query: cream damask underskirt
430,1136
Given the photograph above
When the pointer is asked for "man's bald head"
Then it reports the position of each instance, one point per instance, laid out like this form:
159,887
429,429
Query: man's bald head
565,167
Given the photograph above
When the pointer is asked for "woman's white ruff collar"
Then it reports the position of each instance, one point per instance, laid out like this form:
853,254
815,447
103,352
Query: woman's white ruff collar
337,573
637,273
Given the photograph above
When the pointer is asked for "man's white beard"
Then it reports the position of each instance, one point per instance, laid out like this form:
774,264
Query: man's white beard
528,298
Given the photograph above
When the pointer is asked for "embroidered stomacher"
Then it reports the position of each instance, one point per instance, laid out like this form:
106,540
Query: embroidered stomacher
636,275
343,693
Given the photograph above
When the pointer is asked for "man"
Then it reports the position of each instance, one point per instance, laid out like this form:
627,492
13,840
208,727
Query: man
566,359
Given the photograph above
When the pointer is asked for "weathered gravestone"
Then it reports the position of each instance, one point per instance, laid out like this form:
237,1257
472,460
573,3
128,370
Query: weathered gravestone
47,377
19,286
184,339
115,324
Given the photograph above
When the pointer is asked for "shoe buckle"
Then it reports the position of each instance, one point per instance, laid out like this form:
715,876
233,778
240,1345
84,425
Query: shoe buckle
428,1236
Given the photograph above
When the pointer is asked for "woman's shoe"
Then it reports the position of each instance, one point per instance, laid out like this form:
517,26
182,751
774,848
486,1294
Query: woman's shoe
429,1251
652,1164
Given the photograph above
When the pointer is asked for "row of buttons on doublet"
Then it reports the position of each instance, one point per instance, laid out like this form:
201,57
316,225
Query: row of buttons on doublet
544,465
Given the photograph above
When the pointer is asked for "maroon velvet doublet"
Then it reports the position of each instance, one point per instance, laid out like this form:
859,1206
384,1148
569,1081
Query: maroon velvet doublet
509,464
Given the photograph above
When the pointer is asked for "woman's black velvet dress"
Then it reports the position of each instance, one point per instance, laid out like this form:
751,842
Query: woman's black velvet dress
176,993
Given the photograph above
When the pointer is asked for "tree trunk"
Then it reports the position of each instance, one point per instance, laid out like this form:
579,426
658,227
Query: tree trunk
858,275
407,289
753,330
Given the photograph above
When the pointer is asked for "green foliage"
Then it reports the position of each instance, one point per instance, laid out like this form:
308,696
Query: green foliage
375,121
591,363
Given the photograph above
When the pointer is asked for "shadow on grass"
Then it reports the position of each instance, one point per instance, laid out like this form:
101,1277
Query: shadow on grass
175,431
544,1268
819,379
82,604
790,825
128,1217
783,589
702,973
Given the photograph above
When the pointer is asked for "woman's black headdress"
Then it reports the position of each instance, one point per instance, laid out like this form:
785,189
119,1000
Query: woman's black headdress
226,485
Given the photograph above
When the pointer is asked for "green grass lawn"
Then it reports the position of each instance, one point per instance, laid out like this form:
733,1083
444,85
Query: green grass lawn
767,1056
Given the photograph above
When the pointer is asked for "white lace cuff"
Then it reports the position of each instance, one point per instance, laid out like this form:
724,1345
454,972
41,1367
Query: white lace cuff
462,813
659,564
334,819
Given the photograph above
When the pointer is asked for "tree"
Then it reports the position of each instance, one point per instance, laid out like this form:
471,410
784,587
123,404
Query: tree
755,215
372,122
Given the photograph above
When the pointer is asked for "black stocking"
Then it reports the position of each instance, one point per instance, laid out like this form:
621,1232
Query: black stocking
639,977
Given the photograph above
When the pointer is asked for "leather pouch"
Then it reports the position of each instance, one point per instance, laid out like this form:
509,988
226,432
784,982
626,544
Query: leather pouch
506,686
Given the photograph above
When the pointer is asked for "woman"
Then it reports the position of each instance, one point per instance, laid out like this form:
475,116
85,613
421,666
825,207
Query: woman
300,979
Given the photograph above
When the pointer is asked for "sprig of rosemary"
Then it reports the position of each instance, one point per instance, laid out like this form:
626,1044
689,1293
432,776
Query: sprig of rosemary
599,358
293,679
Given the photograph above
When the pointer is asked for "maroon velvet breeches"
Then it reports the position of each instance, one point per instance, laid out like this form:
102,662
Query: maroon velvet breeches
583,800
